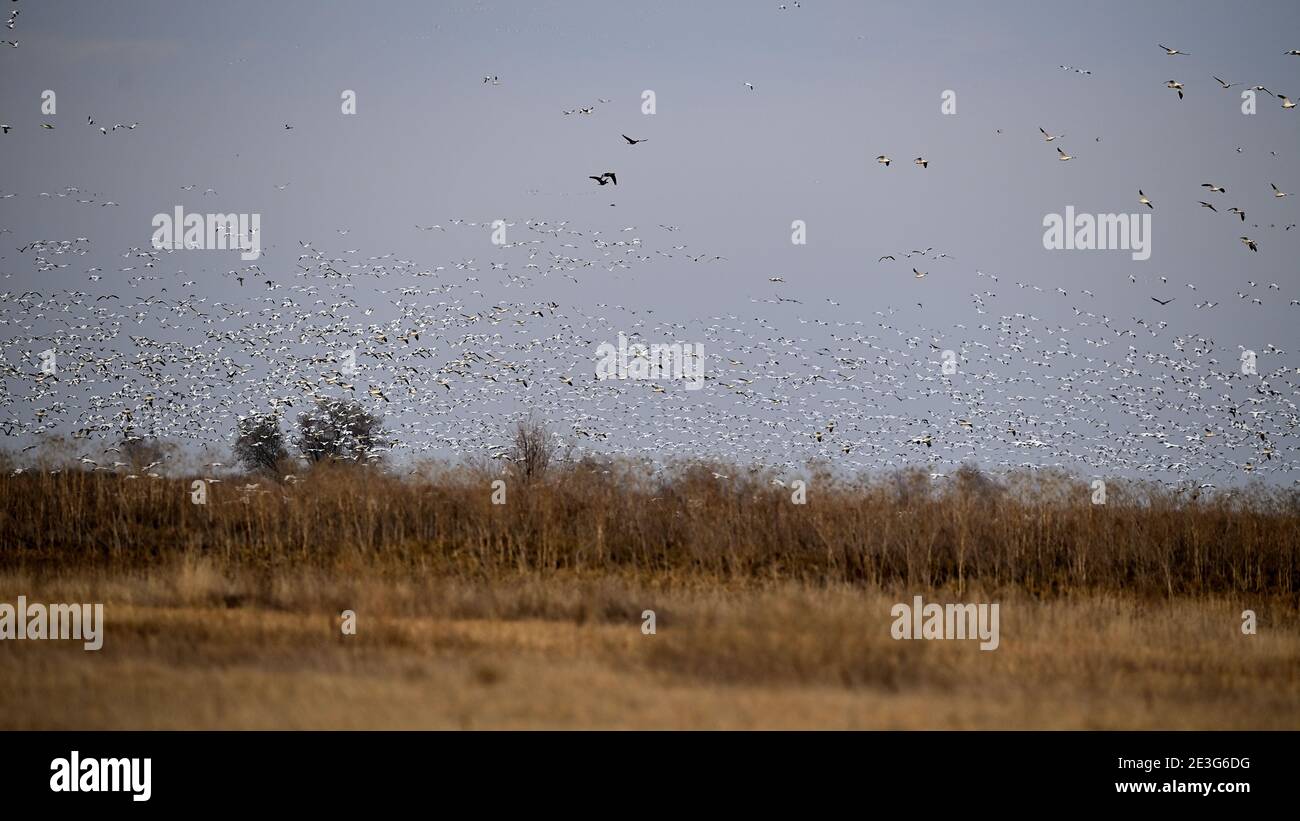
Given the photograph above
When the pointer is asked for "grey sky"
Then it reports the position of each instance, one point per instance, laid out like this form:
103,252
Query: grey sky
835,84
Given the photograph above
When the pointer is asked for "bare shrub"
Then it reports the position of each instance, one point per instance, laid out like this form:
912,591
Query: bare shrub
259,446
144,451
340,430
533,450
1040,534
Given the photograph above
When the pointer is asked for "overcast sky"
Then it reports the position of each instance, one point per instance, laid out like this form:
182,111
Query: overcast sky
834,85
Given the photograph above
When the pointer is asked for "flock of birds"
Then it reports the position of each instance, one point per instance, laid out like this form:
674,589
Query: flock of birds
451,353
1178,87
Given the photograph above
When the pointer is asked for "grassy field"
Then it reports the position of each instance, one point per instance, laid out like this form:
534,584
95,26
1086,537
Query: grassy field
528,614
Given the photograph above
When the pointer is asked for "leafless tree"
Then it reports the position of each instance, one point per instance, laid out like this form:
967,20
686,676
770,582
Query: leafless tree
143,451
533,449
260,445
340,429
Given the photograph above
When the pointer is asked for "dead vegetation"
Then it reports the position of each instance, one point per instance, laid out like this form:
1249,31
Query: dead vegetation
1036,533
529,613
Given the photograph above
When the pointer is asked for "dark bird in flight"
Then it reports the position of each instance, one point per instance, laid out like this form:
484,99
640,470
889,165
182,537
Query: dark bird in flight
1163,301
606,178
631,141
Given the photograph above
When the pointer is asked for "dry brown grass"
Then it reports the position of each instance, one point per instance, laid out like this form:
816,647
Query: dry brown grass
1040,534
528,615
187,646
